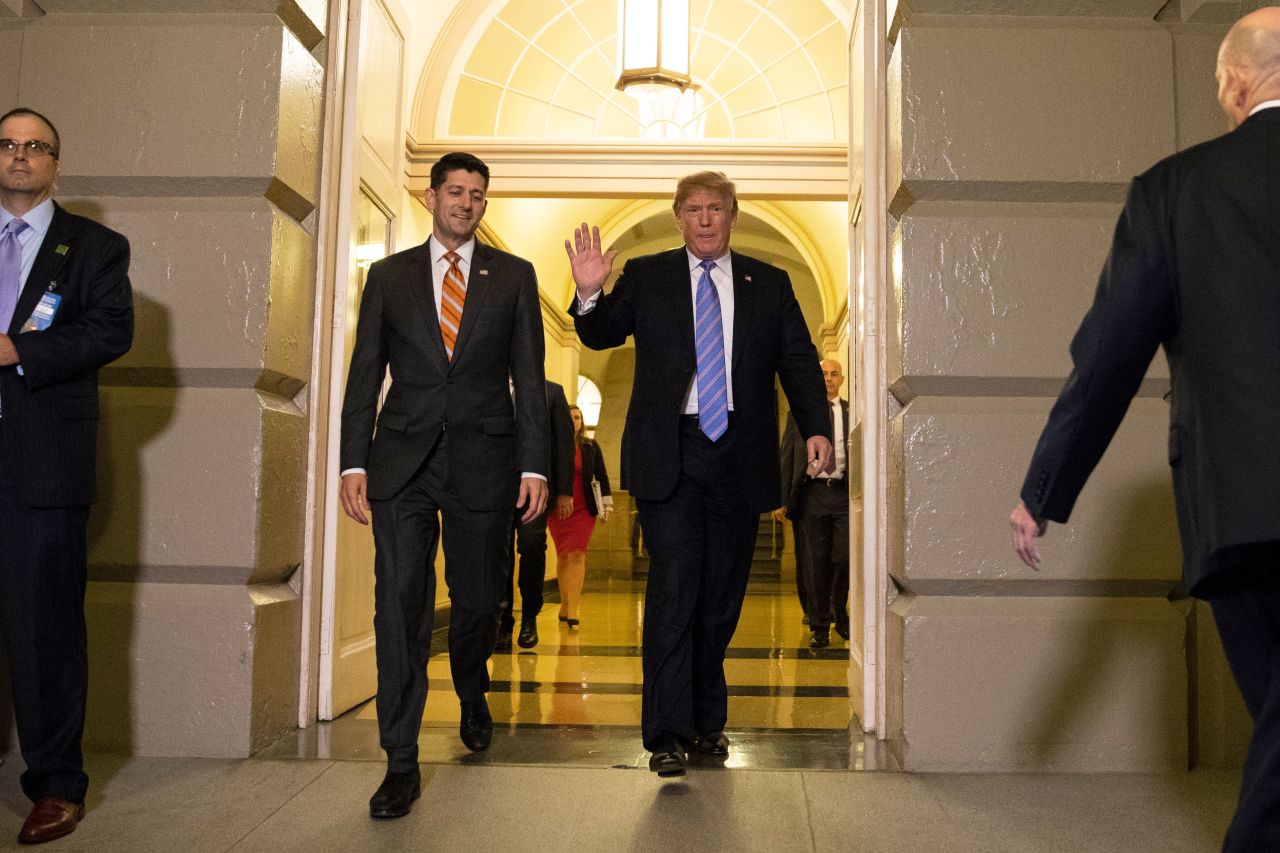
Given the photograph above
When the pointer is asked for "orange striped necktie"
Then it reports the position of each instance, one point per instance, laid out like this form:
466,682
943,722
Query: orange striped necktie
452,297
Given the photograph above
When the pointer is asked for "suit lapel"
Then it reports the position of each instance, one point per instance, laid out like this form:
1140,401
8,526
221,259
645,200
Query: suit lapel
682,298
742,300
48,263
422,287
478,288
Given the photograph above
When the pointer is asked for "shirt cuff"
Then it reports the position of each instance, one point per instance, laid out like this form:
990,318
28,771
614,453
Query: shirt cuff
531,474
586,307
351,471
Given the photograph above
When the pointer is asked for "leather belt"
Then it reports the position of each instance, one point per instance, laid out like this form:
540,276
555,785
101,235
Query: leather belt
829,482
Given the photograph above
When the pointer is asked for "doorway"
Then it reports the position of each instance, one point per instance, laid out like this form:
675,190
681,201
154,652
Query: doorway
795,215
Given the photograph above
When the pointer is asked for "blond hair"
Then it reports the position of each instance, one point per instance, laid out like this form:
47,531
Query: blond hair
712,182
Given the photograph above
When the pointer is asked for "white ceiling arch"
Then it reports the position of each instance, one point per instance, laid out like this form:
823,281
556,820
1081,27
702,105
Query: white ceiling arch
771,71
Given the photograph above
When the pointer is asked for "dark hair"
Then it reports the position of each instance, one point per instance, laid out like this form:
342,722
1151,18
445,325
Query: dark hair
454,161
26,111
579,432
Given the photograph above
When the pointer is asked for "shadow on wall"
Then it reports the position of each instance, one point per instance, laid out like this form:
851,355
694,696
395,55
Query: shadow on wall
139,403
1101,661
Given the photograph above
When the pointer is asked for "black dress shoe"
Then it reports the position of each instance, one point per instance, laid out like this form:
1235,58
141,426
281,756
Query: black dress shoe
476,726
528,634
668,758
711,743
820,638
395,795
502,641
842,628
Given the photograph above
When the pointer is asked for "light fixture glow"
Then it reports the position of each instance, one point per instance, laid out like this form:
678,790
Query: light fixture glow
653,47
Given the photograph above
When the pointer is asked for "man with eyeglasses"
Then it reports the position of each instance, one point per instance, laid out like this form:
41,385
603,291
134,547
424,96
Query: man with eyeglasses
66,309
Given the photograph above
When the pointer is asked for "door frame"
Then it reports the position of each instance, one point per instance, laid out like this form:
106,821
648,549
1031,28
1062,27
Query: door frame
868,270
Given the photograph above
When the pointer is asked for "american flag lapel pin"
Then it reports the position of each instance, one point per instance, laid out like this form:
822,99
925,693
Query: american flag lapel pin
483,272
746,278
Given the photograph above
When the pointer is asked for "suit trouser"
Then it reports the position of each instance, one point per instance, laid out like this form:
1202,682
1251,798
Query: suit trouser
802,563
700,542
1248,619
42,586
824,515
531,544
406,530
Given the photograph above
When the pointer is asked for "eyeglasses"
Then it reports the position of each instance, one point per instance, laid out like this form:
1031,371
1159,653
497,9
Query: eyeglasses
33,147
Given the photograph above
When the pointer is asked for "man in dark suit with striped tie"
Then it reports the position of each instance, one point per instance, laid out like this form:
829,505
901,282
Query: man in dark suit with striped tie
451,318
713,328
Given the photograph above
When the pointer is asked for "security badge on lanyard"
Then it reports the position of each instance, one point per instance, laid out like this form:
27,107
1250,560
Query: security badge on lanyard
42,317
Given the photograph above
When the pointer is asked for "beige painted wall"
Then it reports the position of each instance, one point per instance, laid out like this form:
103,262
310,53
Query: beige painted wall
207,160
1011,142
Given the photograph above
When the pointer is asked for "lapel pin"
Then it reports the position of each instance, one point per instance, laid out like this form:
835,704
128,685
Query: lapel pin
62,249
53,285
483,272
746,278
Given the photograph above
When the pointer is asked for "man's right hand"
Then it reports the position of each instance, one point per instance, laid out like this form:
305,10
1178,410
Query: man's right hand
354,495
590,266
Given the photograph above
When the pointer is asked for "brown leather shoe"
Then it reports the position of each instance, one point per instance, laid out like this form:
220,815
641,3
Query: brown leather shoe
50,818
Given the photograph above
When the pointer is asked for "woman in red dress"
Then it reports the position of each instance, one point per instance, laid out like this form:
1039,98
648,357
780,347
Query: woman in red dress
573,534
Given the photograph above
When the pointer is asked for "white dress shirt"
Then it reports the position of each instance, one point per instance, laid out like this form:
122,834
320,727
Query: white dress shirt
1265,105
837,434
38,220
722,279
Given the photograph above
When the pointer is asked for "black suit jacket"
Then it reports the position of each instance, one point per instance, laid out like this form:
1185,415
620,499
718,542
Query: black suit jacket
490,441
1195,267
653,300
795,459
560,443
593,469
50,410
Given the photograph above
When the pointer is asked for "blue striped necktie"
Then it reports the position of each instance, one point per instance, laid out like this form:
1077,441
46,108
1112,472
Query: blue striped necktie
713,390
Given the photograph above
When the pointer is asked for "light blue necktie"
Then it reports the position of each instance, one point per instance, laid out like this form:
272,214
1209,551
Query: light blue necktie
10,270
713,389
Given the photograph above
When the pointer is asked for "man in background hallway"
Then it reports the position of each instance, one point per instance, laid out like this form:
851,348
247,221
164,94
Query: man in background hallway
66,310
792,457
458,323
531,537
713,331
821,503
1195,267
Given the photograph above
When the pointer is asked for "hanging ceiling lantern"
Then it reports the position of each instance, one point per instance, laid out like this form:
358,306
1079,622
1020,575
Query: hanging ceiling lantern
653,49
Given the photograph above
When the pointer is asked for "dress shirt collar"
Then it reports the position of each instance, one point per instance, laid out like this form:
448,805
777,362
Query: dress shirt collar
722,262
1265,105
38,217
465,251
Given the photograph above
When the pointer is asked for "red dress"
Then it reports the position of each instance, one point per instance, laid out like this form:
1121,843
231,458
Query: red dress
574,533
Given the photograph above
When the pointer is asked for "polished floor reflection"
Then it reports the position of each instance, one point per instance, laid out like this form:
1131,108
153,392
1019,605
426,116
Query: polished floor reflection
574,699
590,675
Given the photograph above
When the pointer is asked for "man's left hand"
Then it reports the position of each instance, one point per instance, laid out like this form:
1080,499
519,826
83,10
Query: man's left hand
8,352
822,459
533,497
1024,530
